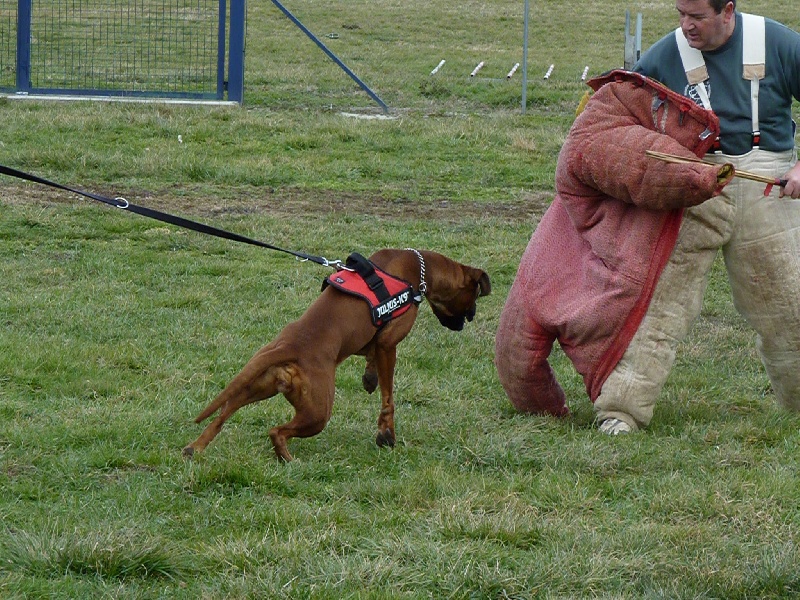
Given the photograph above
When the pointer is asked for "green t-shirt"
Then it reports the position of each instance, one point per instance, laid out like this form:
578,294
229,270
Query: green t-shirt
730,92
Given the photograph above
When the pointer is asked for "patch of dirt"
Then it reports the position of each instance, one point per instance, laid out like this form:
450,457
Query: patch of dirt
289,202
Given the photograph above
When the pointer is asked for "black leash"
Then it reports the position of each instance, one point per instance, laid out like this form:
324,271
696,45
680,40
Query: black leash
168,218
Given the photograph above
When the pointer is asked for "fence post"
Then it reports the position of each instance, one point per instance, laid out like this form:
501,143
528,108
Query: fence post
525,57
236,52
633,41
23,82
222,47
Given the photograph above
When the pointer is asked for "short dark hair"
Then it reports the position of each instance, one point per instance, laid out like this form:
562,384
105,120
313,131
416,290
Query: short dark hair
719,5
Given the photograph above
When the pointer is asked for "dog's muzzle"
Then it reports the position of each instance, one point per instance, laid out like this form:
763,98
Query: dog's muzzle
456,322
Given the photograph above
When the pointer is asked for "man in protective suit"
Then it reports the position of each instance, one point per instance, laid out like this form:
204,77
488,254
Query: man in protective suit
617,269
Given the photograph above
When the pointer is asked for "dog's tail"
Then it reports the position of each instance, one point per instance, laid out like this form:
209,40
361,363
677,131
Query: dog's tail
213,407
254,370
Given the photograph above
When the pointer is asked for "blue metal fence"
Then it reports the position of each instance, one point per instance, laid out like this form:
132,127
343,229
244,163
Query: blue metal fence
147,48
8,44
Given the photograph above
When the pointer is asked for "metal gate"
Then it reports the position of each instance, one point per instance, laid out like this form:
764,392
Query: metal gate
135,48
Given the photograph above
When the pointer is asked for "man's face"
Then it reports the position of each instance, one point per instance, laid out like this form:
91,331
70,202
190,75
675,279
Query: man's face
703,27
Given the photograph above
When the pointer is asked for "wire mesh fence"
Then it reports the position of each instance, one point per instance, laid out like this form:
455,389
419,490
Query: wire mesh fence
8,42
153,47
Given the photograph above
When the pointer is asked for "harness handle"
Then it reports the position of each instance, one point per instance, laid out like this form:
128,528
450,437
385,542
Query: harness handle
366,269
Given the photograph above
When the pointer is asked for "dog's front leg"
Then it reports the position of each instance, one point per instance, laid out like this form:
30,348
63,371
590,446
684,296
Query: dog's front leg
385,359
370,377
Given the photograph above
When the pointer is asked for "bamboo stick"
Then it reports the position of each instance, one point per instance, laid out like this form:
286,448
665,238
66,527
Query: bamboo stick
671,158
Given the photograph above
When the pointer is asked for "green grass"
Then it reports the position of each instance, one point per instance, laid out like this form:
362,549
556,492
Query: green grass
115,331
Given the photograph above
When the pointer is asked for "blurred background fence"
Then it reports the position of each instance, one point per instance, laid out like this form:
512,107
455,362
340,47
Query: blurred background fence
178,48
159,48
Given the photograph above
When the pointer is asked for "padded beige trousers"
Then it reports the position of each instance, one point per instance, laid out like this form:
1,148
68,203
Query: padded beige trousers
760,241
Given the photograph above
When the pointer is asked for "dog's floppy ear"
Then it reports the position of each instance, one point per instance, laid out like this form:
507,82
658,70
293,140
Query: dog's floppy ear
484,283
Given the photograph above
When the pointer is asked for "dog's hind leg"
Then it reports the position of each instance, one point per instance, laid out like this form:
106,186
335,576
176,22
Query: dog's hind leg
313,404
251,385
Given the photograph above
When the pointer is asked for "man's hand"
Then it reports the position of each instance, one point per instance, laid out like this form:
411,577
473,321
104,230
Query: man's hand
792,187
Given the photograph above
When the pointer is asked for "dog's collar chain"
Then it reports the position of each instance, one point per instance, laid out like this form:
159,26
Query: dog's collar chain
423,285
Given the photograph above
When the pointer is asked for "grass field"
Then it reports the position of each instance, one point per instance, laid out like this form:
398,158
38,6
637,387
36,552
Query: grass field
115,331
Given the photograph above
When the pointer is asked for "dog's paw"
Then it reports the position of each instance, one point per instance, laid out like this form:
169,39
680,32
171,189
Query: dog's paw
385,438
283,456
370,381
188,452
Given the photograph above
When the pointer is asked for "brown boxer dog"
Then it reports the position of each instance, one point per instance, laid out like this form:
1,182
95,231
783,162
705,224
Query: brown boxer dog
301,362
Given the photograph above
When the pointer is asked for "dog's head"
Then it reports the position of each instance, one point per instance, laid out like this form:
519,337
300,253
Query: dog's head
451,288
453,293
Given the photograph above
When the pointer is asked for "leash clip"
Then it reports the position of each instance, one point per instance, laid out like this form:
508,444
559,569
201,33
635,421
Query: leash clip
337,264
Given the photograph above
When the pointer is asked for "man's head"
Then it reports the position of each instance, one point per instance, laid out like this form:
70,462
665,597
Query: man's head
707,24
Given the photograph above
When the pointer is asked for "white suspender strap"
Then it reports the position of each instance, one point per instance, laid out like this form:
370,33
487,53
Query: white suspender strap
754,63
754,51
695,66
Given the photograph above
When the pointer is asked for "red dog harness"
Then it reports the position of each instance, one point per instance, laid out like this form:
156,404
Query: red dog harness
387,296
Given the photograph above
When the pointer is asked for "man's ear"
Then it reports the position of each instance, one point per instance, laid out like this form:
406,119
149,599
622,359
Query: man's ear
729,10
